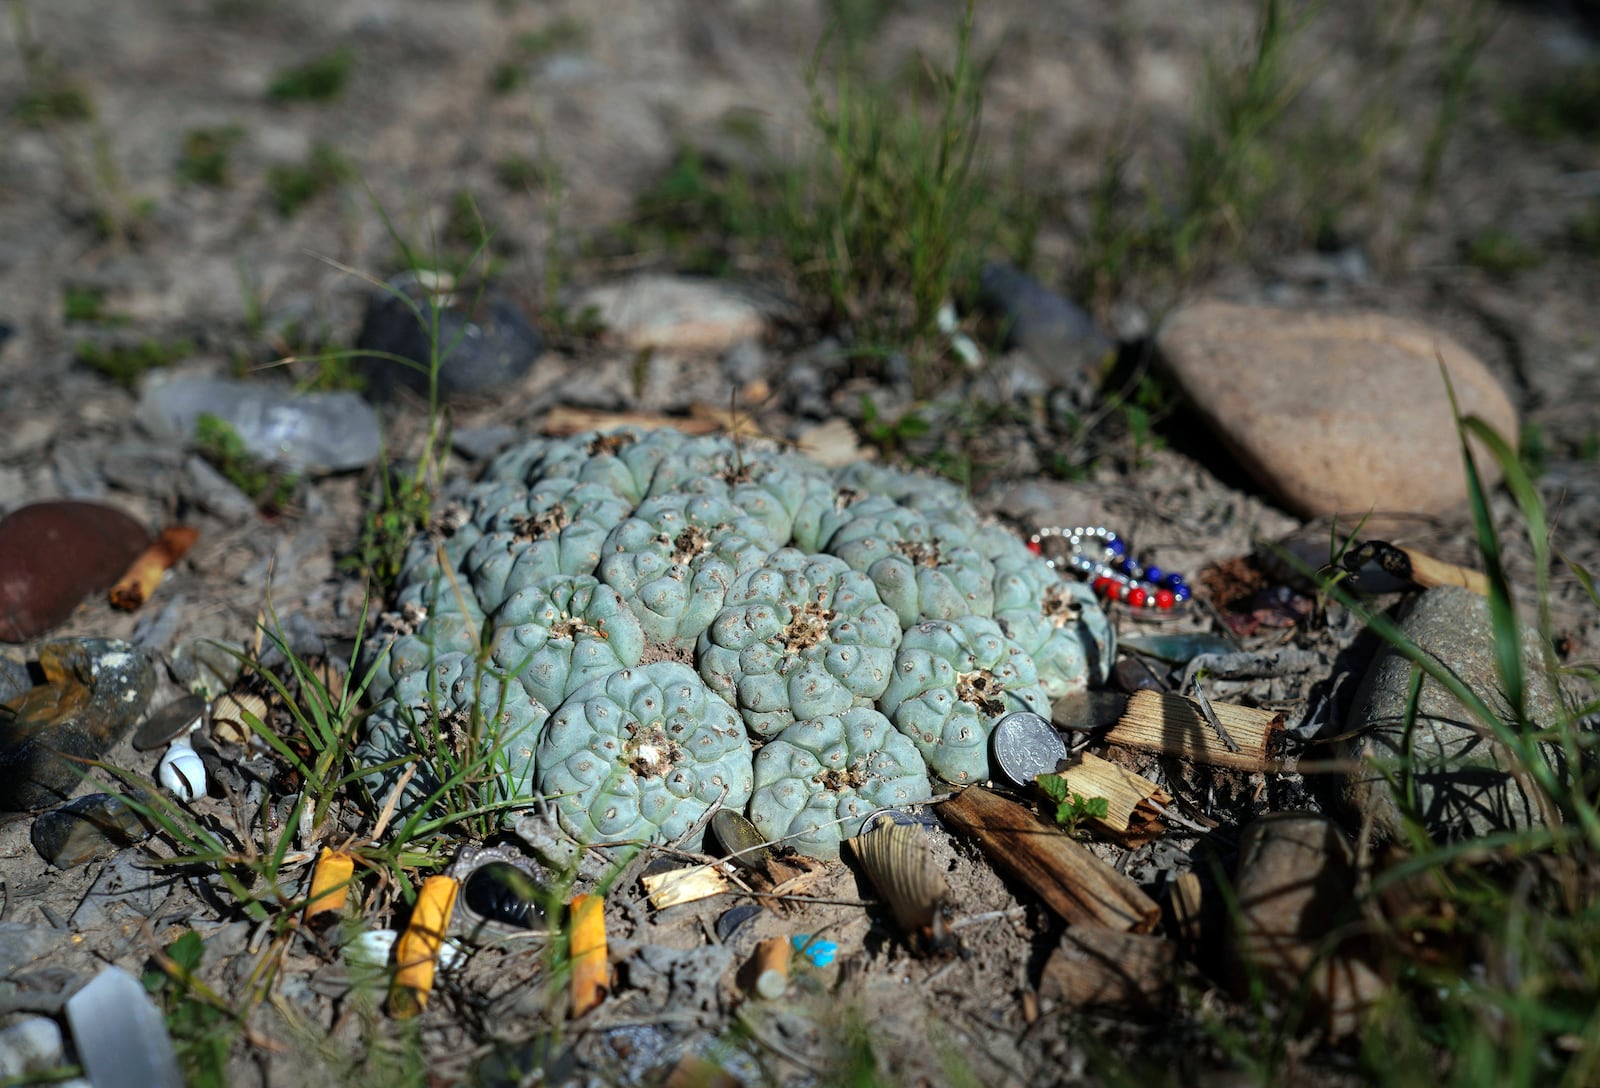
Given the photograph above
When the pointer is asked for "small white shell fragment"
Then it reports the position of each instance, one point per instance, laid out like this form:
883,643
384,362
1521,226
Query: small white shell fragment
182,772
371,948
375,948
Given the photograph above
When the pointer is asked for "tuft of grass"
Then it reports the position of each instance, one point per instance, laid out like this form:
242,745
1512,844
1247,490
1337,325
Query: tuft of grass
320,79
125,364
1566,105
1497,979
1501,253
512,72
268,487
85,304
1584,230
294,185
883,219
207,156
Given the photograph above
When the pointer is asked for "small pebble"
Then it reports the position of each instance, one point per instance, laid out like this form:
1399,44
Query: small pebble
33,1045
86,828
733,919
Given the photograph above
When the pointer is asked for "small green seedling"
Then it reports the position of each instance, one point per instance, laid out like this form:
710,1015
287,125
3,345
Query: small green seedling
1072,808
219,443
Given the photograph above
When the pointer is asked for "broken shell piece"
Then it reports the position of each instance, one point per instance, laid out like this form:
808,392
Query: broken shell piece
182,771
900,865
232,714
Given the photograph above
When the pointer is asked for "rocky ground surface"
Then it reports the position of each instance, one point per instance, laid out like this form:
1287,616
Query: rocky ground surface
555,119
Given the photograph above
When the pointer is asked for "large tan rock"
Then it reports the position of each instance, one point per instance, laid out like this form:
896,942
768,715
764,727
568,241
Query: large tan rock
1335,413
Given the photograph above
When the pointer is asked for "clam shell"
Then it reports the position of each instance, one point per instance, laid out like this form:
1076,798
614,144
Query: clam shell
900,865
228,721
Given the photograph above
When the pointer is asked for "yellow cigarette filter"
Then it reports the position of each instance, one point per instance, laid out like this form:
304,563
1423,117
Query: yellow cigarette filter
591,973
416,953
330,885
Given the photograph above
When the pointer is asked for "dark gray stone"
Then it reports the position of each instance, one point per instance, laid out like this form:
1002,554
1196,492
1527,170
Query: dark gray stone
485,341
1042,323
1464,779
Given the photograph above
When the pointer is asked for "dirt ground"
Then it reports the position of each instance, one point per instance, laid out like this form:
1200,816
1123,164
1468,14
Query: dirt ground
97,207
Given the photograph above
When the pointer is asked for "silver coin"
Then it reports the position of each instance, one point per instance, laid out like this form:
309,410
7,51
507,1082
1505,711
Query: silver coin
1026,745
171,721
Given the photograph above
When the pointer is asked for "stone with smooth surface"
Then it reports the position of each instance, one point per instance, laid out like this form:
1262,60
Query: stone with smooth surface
674,314
486,343
120,1035
1050,328
309,432
1463,777
53,555
85,828
1335,412
1294,887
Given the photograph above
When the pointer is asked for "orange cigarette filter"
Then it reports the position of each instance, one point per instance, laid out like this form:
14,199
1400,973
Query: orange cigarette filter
416,953
141,579
591,973
772,967
330,886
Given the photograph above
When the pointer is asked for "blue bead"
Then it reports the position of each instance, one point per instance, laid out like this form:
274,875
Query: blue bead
1180,593
1173,580
1153,573
1116,547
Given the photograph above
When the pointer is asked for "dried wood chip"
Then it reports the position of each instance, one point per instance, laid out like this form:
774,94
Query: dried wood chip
1162,722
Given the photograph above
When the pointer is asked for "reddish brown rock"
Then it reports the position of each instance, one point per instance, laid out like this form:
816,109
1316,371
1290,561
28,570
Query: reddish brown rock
53,555
1335,412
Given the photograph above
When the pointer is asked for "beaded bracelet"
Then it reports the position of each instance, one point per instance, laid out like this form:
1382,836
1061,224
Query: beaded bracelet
1100,556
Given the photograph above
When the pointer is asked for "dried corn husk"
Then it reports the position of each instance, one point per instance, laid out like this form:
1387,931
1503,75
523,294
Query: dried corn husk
900,865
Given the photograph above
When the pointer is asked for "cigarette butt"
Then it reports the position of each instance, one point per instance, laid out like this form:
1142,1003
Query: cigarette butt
330,884
772,967
591,973
416,953
141,579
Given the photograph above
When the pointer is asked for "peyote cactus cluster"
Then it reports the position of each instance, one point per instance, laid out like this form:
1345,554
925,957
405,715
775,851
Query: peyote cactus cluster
650,623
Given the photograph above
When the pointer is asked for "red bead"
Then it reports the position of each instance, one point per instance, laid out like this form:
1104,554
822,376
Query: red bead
1105,586
1165,599
1136,596
1035,547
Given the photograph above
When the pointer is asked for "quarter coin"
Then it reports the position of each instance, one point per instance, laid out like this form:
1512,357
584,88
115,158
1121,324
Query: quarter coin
1027,745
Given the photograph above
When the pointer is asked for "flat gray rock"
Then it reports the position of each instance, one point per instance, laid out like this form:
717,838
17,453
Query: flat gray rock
1462,776
1335,412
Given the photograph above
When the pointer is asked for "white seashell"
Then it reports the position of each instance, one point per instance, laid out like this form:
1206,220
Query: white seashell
375,947
182,772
